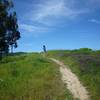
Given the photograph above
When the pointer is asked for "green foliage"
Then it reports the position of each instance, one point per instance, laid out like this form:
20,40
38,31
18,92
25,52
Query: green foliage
9,33
31,77
82,51
85,63
85,49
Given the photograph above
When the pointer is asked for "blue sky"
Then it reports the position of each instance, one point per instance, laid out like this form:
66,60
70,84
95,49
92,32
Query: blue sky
59,24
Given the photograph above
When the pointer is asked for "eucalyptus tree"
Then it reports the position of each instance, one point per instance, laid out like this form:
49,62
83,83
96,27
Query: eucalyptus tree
9,33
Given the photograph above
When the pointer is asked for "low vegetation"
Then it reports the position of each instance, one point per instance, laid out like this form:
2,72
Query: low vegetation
30,77
85,63
33,77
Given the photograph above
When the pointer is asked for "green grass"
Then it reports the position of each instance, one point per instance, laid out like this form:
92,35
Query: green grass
31,77
85,63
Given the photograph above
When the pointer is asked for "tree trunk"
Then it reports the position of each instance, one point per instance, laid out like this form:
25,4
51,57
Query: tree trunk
12,49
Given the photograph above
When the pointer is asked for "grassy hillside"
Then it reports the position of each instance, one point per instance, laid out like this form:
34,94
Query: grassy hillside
30,77
85,63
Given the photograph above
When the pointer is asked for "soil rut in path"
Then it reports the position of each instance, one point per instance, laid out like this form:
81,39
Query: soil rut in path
72,81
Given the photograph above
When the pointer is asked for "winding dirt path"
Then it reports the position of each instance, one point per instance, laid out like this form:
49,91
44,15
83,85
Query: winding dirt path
72,81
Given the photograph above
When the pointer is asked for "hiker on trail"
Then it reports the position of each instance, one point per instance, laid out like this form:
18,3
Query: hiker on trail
44,49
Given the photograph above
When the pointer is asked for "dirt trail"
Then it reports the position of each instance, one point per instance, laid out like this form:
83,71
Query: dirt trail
72,81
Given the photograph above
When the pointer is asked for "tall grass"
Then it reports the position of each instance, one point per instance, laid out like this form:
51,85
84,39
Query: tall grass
31,77
85,63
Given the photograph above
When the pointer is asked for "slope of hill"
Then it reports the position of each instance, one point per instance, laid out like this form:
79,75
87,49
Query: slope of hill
31,77
34,77
85,63
72,82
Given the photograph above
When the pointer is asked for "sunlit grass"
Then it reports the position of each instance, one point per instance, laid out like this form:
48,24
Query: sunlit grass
31,77
85,64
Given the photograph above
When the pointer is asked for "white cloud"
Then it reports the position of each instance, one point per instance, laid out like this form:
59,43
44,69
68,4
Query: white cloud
35,31
51,11
94,21
31,28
